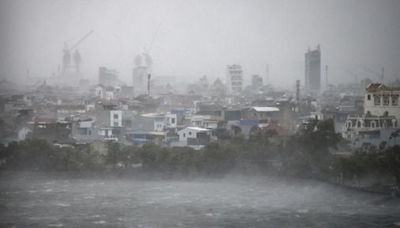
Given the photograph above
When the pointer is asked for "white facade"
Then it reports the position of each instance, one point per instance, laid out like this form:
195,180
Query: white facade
116,118
109,95
203,121
170,120
380,119
99,91
190,132
163,121
381,100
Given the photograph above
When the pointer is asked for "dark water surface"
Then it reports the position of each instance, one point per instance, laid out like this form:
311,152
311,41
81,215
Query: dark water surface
38,201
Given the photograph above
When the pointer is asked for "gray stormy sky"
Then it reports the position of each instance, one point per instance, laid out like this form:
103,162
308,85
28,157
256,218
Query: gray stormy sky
200,37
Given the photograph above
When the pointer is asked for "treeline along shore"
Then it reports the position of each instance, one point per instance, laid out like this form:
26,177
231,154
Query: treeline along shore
312,153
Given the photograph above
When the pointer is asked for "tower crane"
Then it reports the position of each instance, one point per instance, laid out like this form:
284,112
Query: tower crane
77,56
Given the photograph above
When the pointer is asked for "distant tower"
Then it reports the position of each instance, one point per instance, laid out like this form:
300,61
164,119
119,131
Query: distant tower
234,79
313,71
141,72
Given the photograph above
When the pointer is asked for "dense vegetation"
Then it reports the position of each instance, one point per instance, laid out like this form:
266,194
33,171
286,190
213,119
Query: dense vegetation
306,154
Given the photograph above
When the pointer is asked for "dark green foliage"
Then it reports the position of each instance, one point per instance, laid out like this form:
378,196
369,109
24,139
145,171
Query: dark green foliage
306,154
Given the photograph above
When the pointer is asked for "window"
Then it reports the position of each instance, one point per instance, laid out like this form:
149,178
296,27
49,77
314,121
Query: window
184,135
395,100
385,100
115,116
369,97
190,133
377,100
373,124
173,120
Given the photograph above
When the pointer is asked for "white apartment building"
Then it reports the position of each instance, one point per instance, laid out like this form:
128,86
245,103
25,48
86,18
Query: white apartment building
234,79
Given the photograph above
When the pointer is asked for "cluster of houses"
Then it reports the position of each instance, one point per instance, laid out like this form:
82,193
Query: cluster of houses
66,116
63,116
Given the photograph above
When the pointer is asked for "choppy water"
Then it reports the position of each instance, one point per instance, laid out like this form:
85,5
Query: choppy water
230,202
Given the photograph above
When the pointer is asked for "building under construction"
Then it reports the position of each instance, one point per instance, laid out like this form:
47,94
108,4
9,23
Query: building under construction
313,71
70,72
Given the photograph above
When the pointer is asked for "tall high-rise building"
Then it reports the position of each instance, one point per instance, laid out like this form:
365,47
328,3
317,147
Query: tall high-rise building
313,71
141,72
234,79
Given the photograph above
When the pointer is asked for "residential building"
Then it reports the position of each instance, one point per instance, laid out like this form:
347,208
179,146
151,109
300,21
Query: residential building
162,121
381,100
261,114
234,79
194,137
380,119
205,121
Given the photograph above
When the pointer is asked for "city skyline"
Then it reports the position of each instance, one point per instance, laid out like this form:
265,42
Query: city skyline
189,39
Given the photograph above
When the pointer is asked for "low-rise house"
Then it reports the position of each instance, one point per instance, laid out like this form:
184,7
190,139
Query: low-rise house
194,137
66,111
109,122
162,121
51,131
205,121
261,114
143,137
242,127
85,130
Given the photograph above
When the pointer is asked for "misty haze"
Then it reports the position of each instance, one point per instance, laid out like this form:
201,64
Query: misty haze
189,113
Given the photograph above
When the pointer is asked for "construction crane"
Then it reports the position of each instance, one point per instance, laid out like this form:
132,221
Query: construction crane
77,56
81,40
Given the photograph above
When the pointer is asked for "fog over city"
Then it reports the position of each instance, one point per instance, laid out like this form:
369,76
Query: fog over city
199,113
193,38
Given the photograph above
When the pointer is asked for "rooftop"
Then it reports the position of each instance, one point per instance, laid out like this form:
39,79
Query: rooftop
376,87
266,109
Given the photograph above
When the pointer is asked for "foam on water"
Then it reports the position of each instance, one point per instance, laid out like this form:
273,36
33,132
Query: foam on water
207,203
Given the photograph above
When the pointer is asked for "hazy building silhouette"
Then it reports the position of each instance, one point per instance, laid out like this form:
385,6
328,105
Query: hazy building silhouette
256,81
313,71
140,77
234,79
108,77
